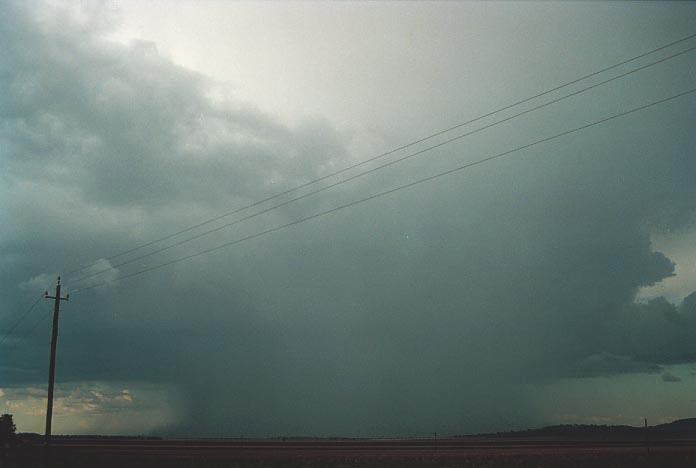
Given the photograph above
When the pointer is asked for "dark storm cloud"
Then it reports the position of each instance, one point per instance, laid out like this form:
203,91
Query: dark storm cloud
125,145
425,310
657,331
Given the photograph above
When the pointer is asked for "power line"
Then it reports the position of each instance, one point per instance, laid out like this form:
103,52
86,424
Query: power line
398,188
374,169
407,145
36,323
20,320
30,330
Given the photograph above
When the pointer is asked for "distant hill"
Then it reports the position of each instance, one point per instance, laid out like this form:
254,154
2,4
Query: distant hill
686,427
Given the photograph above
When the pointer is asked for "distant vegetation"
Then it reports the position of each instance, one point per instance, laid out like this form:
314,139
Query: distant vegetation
8,435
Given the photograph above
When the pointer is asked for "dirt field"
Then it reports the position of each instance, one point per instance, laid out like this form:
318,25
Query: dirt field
468,452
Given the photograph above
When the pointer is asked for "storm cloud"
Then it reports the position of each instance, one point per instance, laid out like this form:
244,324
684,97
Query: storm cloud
433,308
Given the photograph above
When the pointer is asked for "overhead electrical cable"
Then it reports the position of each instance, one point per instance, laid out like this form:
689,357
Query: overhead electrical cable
30,331
382,155
396,189
382,166
20,320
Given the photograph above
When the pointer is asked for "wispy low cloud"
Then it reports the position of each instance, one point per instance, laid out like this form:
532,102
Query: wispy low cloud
86,400
605,364
669,377
40,282
100,273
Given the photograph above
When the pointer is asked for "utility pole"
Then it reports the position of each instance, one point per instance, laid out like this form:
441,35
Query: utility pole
52,364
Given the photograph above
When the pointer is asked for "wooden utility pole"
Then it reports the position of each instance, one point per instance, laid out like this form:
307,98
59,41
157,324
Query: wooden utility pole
52,364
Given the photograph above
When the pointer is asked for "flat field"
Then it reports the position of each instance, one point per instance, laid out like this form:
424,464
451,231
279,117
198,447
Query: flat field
451,452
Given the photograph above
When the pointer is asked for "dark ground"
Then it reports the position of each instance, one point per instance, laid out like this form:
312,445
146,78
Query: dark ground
532,452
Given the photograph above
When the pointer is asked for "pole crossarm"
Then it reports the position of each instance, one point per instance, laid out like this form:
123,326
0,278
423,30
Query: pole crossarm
66,298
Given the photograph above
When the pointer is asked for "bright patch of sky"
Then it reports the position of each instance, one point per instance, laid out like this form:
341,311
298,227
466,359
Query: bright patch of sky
111,408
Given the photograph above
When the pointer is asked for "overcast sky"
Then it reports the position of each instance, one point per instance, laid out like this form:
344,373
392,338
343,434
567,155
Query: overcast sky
551,286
